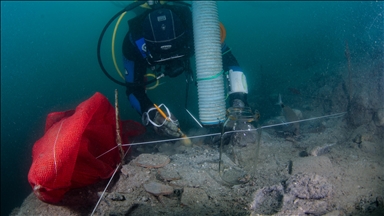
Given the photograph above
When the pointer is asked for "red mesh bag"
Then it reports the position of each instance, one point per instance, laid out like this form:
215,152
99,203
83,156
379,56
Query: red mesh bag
66,156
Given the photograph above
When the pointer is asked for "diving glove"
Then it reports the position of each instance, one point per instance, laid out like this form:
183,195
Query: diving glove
168,128
165,127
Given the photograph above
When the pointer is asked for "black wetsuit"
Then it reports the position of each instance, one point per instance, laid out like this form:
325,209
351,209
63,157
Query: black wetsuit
136,62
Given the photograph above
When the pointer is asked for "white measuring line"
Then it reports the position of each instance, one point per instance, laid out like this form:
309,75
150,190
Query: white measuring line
206,135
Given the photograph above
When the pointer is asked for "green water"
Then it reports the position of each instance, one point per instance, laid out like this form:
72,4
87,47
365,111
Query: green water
49,62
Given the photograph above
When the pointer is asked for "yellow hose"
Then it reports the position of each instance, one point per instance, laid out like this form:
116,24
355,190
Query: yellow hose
154,86
113,44
114,57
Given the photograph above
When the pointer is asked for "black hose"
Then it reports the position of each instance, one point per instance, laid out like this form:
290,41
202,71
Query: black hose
128,8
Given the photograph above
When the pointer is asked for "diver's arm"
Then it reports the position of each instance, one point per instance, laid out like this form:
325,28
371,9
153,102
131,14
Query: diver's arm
229,59
134,78
135,69
238,92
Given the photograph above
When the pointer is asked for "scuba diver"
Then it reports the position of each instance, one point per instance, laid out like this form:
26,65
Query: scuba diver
161,39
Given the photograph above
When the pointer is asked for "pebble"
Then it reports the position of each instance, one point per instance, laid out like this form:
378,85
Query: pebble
321,150
158,189
308,186
168,174
116,197
378,118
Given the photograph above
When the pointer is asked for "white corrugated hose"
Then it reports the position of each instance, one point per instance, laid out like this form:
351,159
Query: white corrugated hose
209,68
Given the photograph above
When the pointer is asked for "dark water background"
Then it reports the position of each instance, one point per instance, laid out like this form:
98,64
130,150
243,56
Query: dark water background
49,62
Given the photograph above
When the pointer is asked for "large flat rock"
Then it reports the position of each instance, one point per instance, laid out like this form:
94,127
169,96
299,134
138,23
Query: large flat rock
152,160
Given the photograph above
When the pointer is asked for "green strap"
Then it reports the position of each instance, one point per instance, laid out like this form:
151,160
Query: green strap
211,77
218,74
226,97
229,50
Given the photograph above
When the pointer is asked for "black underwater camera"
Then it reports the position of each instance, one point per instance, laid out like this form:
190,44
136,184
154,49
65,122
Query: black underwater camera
175,67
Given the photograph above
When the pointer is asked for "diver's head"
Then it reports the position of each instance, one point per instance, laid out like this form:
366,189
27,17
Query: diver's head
164,35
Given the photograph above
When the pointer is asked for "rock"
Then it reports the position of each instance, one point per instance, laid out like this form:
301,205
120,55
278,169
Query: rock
233,175
273,201
298,113
152,160
321,150
158,189
380,201
378,118
132,177
371,147
367,204
357,139
308,186
360,110
268,200
194,197
303,194
116,197
312,207
168,174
